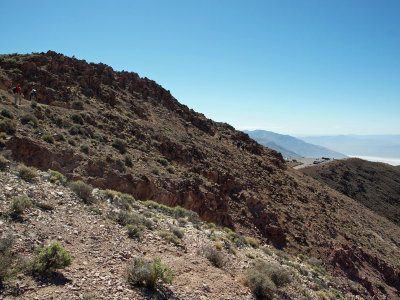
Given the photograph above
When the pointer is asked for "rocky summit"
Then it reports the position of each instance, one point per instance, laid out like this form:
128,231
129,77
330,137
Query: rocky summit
119,132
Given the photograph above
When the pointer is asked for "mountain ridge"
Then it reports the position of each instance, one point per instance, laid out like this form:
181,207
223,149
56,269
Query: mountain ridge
292,144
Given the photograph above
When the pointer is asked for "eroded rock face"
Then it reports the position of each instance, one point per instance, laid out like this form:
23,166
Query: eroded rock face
351,261
40,155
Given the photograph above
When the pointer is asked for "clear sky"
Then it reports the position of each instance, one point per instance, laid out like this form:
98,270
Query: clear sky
293,67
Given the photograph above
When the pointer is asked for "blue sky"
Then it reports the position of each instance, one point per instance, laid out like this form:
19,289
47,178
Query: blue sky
293,67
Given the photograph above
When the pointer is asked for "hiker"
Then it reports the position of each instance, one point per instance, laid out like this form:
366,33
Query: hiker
17,94
33,95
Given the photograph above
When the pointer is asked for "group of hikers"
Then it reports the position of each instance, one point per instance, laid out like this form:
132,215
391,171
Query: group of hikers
18,94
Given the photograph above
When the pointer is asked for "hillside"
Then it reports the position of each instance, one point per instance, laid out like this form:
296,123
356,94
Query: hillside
292,144
118,131
375,185
102,249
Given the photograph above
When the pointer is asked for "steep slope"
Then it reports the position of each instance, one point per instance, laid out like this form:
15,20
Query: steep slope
293,144
117,130
375,185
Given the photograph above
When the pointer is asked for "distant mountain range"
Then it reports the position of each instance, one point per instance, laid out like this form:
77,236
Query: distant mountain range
362,145
291,147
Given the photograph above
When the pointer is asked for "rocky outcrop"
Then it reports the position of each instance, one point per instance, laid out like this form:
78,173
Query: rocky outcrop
351,259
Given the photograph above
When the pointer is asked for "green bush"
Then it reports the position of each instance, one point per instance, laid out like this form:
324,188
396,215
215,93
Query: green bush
57,178
3,162
27,173
7,114
19,204
163,161
125,218
172,238
8,126
76,129
85,149
48,138
144,273
120,145
29,119
135,231
215,256
50,258
122,200
77,119
71,142
83,191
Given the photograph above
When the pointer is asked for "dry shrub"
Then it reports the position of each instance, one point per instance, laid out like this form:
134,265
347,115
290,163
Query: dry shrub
27,173
145,273
264,278
83,191
215,256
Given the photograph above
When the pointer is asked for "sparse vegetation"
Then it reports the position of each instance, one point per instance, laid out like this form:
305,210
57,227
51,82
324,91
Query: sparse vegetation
18,205
48,138
125,218
27,173
177,232
6,114
135,231
7,259
29,119
169,236
3,163
77,119
8,126
57,178
145,273
215,256
83,191
49,259
85,149
122,200
120,145
264,278
253,242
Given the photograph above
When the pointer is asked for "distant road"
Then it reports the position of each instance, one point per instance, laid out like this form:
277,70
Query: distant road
306,162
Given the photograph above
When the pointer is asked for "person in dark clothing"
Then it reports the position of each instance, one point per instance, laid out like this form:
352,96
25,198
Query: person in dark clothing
33,95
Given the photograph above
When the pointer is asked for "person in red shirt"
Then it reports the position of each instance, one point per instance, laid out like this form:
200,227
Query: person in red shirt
17,93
